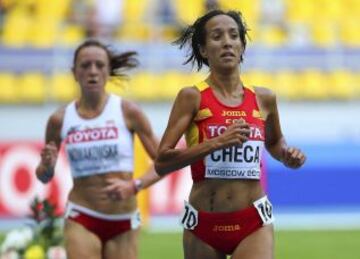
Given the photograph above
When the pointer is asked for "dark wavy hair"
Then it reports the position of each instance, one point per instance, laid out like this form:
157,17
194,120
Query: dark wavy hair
118,61
194,36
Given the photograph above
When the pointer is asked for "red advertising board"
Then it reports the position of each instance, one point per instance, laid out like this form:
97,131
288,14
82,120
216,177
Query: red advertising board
18,183
19,186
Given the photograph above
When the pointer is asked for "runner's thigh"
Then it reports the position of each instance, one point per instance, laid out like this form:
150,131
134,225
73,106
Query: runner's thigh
258,245
123,246
80,242
194,248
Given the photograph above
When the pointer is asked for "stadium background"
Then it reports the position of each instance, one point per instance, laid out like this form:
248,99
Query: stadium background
307,51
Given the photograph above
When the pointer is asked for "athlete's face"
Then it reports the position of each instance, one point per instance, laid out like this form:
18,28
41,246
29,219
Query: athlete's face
92,69
223,47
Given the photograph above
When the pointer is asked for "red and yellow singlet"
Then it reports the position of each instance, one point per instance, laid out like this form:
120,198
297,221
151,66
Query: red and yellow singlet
212,119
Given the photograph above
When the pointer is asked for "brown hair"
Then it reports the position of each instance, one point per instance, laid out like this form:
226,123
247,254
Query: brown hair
194,35
118,61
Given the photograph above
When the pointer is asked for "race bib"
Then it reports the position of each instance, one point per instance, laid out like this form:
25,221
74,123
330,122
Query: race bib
91,157
264,209
237,162
189,219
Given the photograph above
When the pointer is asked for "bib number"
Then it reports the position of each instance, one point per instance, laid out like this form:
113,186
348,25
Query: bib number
264,209
189,219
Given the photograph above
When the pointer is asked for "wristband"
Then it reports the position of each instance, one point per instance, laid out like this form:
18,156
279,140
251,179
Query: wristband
138,184
47,175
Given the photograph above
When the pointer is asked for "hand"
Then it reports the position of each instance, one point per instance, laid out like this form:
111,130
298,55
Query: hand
293,157
49,155
236,134
118,189
45,170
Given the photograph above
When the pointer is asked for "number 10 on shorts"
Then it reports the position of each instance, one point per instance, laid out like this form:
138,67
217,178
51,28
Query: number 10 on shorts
264,209
189,219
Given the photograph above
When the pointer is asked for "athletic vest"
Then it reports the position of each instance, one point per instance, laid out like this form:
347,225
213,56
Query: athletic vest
212,119
98,145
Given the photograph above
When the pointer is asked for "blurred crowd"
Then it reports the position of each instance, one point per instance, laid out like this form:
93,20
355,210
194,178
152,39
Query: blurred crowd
97,18
272,22
314,40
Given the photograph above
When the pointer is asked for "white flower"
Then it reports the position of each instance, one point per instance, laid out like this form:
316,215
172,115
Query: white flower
17,239
27,234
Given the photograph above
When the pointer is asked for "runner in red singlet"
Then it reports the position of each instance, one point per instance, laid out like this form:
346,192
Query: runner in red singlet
227,125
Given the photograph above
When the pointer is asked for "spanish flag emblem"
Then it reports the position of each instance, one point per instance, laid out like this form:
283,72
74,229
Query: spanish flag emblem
256,114
203,114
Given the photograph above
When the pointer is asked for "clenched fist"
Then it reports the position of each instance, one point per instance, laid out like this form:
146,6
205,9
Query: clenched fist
293,157
49,154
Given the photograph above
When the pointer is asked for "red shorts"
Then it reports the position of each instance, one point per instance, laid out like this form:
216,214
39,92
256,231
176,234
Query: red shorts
105,226
225,230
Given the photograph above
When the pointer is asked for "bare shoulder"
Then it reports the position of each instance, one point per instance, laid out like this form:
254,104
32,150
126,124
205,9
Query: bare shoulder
56,119
266,96
189,92
190,95
54,125
188,100
134,117
130,108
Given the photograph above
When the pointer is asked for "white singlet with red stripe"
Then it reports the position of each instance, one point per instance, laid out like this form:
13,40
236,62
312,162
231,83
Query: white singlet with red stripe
99,145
